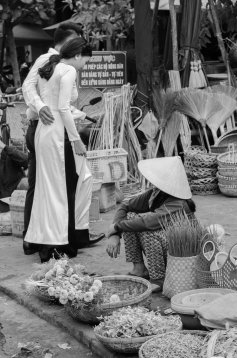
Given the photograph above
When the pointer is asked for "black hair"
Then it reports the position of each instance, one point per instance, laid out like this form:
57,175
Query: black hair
191,205
77,46
65,30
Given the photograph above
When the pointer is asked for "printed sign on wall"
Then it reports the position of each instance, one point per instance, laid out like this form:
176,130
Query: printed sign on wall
105,69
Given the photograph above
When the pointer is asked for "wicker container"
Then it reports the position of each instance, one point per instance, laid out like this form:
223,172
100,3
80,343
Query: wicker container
17,205
112,162
132,291
226,180
200,173
228,172
144,347
130,345
204,160
225,277
205,189
227,160
228,190
94,212
188,155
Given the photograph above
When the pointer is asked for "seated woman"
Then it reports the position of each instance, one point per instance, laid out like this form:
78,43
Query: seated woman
140,221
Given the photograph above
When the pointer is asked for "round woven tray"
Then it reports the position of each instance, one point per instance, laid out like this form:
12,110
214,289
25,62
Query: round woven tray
132,291
227,160
130,345
143,348
205,189
228,190
226,180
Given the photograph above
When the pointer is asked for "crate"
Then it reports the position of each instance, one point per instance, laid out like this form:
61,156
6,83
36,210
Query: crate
107,197
17,205
111,162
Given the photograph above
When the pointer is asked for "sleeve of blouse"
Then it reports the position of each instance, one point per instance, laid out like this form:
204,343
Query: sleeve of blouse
65,92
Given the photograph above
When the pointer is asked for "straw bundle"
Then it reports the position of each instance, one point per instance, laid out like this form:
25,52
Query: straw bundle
171,133
184,236
164,105
227,90
199,105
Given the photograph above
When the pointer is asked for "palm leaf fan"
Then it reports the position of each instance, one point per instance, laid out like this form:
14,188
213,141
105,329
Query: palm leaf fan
171,133
200,105
227,90
217,119
164,106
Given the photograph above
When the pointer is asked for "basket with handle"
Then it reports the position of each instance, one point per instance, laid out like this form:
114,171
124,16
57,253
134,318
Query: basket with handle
151,348
132,291
229,159
226,180
224,277
199,173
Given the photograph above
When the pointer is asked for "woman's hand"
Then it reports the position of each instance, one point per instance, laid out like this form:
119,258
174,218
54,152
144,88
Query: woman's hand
113,247
111,230
79,147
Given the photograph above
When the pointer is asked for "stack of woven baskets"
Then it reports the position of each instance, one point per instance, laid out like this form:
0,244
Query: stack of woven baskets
227,173
201,169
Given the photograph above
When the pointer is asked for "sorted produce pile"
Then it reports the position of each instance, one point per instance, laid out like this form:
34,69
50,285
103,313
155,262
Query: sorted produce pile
173,345
136,322
220,344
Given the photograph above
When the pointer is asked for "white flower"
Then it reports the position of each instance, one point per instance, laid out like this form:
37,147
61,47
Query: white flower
63,263
88,296
69,272
114,299
63,294
49,274
63,301
78,286
51,291
94,289
97,283
60,271
71,295
73,280
79,295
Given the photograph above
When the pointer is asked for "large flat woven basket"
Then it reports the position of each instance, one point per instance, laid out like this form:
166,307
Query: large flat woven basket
144,351
227,160
132,291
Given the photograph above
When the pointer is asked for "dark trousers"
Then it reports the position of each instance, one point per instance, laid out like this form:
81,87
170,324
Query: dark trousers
77,238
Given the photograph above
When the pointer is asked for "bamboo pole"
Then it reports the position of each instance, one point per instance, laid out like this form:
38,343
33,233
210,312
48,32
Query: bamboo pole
220,41
174,36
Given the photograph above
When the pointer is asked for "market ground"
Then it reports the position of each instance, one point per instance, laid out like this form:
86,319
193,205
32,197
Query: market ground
15,268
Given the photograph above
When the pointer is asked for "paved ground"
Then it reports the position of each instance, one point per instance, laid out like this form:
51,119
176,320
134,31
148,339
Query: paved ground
15,267
23,334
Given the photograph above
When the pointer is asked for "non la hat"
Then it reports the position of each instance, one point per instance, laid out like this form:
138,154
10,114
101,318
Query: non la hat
168,175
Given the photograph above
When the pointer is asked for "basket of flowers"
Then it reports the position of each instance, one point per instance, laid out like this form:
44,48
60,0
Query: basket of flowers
90,298
129,327
49,278
176,344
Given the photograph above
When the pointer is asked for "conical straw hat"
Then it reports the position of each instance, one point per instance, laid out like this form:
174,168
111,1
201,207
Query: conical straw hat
168,175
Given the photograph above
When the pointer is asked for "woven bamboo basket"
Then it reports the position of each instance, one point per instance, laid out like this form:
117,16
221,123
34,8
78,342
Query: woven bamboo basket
205,181
188,155
226,180
204,160
205,189
227,160
228,190
145,346
130,345
199,173
228,172
132,291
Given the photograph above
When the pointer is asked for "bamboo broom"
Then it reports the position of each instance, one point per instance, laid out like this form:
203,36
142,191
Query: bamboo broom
199,105
171,133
